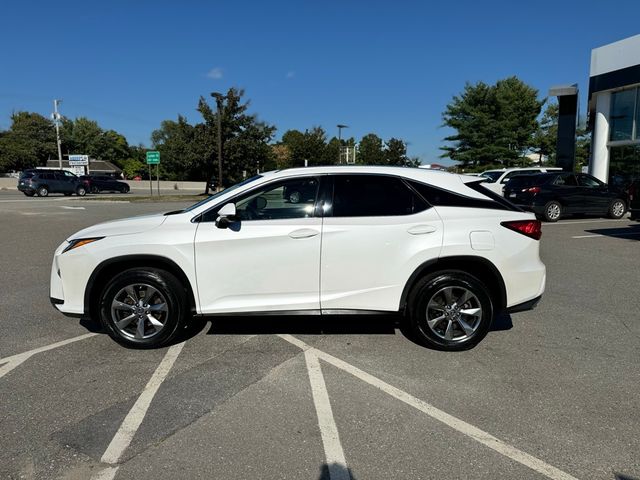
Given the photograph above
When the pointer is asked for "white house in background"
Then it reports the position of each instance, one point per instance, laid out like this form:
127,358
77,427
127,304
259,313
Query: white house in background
614,111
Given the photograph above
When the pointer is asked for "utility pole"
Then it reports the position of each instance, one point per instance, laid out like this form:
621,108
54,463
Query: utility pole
340,127
219,98
56,120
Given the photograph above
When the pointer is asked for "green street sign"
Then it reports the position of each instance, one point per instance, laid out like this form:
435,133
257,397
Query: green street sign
153,158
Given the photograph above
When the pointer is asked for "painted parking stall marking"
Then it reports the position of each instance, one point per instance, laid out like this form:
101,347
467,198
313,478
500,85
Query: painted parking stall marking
123,437
9,363
461,426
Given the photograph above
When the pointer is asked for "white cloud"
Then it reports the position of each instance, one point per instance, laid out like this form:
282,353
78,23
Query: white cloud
215,73
290,74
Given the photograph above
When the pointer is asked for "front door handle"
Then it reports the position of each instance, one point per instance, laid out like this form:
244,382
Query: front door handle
304,233
421,229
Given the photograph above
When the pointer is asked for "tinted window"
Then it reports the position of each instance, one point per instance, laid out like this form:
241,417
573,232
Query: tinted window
444,198
373,196
566,179
45,176
27,175
491,176
294,198
522,181
586,181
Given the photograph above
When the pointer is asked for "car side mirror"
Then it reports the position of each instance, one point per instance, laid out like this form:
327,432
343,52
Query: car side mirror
226,215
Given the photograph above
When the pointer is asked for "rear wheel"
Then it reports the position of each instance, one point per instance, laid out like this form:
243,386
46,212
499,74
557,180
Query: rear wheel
617,209
43,191
450,310
143,308
81,191
552,211
124,189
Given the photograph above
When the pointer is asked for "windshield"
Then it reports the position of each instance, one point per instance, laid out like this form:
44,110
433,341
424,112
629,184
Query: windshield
222,192
491,176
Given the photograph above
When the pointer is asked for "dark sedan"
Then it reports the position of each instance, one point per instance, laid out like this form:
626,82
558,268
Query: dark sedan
553,195
104,183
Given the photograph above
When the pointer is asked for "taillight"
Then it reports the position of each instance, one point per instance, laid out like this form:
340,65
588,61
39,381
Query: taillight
529,228
86,182
531,190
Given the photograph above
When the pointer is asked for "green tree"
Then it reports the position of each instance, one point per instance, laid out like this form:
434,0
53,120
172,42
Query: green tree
371,150
180,152
395,153
546,137
29,142
310,145
245,139
492,122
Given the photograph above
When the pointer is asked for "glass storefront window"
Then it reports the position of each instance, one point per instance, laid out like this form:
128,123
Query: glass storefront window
623,105
624,165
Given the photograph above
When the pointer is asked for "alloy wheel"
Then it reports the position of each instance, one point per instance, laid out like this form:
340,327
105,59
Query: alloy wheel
139,311
454,313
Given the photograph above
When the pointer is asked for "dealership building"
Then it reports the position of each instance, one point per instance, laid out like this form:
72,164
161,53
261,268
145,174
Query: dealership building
614,111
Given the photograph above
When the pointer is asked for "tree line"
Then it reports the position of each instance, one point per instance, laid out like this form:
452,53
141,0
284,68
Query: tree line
493,125
502,125
188,151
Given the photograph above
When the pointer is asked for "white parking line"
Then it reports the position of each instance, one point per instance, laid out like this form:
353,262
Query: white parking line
459,425
16,360
328,430
595,235
122,439
577,222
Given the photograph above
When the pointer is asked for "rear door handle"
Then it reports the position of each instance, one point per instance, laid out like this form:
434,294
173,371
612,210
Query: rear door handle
304,233
421,229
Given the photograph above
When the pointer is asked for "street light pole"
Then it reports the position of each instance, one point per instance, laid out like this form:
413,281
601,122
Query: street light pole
340,127
219,98
56,120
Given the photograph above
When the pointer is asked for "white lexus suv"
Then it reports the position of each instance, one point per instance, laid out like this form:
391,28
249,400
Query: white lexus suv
438,247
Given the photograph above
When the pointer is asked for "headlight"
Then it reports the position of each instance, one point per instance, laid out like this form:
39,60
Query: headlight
79,242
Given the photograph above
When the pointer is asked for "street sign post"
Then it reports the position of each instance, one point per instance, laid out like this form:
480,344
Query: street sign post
153,158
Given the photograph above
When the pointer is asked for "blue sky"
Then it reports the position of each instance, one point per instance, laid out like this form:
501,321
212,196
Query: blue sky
383,67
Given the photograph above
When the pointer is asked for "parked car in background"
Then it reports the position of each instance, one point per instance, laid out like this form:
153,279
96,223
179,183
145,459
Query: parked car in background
634,200
497,179
43,182
104,183
436,246
553,195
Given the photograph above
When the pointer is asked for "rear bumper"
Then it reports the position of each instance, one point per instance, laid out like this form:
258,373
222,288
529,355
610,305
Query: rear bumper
524,306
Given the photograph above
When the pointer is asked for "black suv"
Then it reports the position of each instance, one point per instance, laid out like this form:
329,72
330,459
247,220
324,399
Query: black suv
44,182
99,183
552,195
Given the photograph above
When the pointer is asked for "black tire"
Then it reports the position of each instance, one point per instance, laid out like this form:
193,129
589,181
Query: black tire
425,302
43,191
617,209
172,294
124,189
95,189
81,191
29,193
552,211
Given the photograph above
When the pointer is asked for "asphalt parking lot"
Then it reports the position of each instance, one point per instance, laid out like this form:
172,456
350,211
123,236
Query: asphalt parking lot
551,393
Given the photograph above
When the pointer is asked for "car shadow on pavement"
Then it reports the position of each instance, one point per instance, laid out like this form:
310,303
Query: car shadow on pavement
631,232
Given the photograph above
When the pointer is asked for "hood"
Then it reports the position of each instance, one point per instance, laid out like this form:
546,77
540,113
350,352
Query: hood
125,226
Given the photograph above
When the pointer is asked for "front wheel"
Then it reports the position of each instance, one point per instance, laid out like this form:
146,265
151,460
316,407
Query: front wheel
143,308
124,189
450,310
552,211
617,209
43,191
81,191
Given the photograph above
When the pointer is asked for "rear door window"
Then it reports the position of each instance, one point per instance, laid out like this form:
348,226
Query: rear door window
373,196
